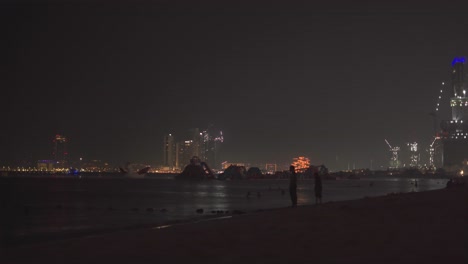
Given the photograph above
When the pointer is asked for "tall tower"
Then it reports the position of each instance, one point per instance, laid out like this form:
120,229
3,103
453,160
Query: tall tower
169,151
459,101
186,149
455,131
60,153
212,141
195,137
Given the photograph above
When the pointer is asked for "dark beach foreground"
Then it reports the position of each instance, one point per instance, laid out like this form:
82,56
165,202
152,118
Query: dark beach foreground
425,227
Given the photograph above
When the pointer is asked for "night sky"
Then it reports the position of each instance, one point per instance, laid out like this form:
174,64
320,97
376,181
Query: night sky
280,79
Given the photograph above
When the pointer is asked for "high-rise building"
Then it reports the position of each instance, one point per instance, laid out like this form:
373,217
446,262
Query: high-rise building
205,145
169,152
196,142
60,152
188,148
184,153
455,131
212,141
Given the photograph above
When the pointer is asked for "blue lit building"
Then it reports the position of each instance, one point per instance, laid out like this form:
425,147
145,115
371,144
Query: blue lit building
455,131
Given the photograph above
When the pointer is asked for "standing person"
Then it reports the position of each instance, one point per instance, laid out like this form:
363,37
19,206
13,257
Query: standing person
293,186
318,189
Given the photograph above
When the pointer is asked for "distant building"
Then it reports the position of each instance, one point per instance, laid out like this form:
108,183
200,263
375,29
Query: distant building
45,165
184,153
95,166
195,138
226,164
169,152
60,152
186,149
212,140
205,145
455,131
270,168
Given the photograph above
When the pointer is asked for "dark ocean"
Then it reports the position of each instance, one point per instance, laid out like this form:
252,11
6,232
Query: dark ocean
41,208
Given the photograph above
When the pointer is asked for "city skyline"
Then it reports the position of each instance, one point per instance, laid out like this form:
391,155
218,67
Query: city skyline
204,144
325,81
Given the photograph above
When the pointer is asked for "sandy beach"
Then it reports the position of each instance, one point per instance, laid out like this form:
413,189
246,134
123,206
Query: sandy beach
424,227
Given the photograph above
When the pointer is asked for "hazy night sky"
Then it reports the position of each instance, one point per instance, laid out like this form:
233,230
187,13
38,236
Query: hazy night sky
281,80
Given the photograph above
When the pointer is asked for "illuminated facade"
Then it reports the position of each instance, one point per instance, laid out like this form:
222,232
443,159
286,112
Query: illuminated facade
203,144
455,131
184,153
45,165
95,166
226,164
301,163
212,140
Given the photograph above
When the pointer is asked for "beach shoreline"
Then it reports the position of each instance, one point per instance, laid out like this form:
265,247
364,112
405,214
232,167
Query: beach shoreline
426,227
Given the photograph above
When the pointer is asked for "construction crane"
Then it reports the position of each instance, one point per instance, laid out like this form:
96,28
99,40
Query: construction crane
394,163
436,135
432,154
434,113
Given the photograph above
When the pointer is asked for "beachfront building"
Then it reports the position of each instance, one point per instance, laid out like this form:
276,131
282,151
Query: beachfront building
455,131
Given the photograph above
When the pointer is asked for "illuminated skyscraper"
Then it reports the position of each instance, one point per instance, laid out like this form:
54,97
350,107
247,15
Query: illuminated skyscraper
212,141
195,138
60,152
459,101
188,148
184,153
205,145
455,131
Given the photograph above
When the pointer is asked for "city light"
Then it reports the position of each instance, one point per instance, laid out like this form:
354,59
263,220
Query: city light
301,163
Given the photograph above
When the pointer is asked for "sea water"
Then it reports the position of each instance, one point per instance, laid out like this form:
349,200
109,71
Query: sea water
45,206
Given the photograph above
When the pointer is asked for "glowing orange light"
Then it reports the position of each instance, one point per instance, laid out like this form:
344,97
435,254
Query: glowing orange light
301,163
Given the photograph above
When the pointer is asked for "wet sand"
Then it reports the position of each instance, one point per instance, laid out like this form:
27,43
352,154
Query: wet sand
425,227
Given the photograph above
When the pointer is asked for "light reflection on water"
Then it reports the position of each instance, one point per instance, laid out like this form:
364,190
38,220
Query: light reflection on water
48,205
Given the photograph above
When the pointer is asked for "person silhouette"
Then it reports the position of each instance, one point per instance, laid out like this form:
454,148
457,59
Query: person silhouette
293,186
318,188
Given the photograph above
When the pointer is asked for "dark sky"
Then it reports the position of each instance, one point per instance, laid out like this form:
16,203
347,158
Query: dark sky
280,79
